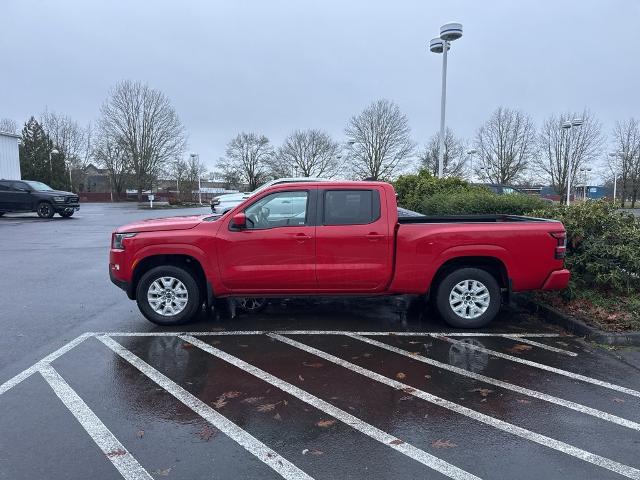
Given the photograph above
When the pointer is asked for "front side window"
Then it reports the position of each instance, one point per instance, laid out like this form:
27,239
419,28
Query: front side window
282,209
38,186
351,207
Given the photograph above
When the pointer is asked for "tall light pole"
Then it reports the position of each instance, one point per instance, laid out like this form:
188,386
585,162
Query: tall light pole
194,156
54,152
448,33
584,171
567,126
471,153
616,155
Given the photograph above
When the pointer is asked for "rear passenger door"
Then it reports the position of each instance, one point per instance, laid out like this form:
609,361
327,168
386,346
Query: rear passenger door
353,241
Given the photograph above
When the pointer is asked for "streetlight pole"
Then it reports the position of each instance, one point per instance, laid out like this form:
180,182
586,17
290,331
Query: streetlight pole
54,152
448,33
471,153
568,125
615,155
194,156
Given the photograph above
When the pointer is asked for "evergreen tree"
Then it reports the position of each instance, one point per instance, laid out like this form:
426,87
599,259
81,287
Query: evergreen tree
34,157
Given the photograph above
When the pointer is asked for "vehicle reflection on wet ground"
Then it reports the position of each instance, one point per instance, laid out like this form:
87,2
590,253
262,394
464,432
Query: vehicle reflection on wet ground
316,389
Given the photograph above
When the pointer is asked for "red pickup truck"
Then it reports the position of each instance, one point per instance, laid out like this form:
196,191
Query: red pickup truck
335,238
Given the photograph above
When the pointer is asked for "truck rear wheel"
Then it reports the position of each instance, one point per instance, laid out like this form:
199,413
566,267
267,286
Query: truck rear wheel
168,295
468,298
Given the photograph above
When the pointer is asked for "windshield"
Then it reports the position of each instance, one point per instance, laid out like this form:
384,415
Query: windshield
39,186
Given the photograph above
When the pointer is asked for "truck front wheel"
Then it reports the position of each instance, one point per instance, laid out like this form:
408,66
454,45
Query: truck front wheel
468,298
168,295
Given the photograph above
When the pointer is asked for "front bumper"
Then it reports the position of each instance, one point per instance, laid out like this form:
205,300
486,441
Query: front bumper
61,207
123,284
557,280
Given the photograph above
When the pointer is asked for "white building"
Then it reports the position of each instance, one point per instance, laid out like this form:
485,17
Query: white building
9,156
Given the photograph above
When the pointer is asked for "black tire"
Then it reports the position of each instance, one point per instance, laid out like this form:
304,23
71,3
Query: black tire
193,295
45,210
68,213
445,290
250,304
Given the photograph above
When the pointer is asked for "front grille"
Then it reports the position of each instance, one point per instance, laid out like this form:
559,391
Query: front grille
72,199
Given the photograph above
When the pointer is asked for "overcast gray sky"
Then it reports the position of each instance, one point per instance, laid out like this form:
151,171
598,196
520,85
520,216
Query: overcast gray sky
273,66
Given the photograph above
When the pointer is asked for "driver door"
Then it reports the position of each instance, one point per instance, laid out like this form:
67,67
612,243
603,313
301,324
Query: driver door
276,251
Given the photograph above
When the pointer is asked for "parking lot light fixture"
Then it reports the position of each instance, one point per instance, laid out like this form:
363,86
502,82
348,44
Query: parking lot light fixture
448,33
471,153
197,156
567,126
53,151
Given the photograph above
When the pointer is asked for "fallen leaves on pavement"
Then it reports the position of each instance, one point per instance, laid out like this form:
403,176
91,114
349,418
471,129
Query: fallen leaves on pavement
441,443
519,348
325,423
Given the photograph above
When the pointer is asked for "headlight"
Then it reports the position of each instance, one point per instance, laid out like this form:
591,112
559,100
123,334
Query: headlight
117,239
58,199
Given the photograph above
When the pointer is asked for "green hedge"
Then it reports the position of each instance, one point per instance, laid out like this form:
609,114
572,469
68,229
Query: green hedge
478,202
603,245
429,195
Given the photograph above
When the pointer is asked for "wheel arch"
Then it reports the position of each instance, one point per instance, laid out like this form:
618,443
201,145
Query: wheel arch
187,262
493,265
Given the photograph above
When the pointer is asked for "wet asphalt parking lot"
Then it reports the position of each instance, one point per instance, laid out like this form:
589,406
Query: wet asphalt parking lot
331,388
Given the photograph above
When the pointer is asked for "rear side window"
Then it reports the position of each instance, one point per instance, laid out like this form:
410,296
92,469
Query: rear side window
351,207
4,187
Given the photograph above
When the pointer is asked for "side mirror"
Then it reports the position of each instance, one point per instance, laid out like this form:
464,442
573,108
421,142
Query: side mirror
239,220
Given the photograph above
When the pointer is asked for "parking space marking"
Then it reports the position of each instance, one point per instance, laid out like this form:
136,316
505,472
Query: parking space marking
612,465
541,366
20,377
119,456
539,345
499,383
278,463
328,332
387,439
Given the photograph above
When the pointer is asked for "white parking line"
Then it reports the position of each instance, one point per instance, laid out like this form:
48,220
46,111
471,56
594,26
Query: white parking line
541,366
325,332
278,463
558,445
509,386
387,439
20,377
539,345
119,456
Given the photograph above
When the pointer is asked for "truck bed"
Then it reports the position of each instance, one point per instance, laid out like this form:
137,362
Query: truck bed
497,218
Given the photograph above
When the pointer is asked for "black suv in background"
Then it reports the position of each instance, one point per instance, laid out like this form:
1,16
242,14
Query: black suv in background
30,196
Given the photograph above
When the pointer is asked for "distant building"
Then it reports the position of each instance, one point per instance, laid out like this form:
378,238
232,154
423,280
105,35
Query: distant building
9,156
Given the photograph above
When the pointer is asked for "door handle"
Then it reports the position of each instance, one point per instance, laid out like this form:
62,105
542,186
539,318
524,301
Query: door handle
302,237
373,236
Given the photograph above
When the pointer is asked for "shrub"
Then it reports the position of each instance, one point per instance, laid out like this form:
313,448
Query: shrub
413,189
478,203
603,245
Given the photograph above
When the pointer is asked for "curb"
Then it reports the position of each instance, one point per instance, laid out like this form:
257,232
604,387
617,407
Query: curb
576,325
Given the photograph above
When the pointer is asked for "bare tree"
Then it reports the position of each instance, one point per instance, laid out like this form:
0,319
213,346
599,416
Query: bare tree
8,125
309,153
111,153
146,123
248,157
195,170
381,140
454,160
67,136
506,143
626,163
564,151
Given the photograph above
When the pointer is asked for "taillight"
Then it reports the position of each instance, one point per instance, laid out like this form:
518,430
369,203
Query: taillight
561,246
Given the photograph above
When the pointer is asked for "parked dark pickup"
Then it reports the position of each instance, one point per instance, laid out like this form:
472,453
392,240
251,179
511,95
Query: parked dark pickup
30,196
